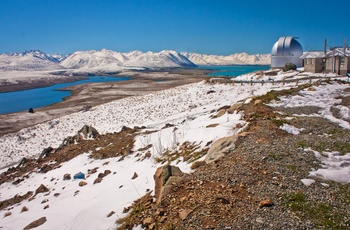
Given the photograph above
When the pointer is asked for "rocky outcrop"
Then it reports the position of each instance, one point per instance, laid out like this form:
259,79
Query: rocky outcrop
46,152
88,132
164,178
220,148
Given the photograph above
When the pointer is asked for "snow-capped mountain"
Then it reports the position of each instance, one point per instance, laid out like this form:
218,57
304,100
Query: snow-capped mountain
30,59
102,59
165,58
93,59
233,59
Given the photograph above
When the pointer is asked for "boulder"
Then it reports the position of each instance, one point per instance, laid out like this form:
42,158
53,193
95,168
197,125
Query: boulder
41,189
233,108
79,175
265,203
164,178
98,180
184,213
107,172
66,176
36,223
82,183
220,113
46,152
220,148
88,132
134,176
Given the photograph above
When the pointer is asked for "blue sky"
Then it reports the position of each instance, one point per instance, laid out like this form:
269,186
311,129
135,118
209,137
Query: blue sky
203,26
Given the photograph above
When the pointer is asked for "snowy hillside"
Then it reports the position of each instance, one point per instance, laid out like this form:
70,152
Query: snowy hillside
188,107
233,59
31,59
171,118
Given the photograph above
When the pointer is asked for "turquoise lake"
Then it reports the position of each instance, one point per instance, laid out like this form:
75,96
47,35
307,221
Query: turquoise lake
233,70
36,98
18,101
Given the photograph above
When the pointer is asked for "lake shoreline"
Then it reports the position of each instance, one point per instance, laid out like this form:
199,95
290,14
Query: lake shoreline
93,94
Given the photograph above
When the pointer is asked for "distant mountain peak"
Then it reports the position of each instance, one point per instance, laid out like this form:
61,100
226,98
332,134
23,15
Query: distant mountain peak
242,58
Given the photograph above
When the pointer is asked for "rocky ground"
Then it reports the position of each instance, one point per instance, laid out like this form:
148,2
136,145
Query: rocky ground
258,184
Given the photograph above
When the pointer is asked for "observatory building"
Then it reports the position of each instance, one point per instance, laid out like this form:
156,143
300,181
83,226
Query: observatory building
286,50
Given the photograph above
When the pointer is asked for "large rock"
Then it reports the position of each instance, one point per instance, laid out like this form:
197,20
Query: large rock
220,148
164,178
46,152
36,223
79,175
41,189
88,132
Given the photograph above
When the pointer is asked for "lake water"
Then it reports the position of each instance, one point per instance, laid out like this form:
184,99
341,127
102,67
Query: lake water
233,70
11,102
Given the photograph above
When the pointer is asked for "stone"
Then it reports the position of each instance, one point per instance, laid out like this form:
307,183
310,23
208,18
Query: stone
36,223
148,154
220,148
257,102
212,125
164,178
233,108
82,183
22,162
265,203
220,113
92,171
46,206
79,175
46,152
260,220
66,176
134,176
87,132
147,221
41,189
151,226
107,172
110,214
184,213
98,180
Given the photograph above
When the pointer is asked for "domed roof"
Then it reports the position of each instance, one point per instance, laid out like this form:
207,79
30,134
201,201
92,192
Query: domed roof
287,46
286,50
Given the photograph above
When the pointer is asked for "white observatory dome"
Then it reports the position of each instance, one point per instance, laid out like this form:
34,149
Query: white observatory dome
286,50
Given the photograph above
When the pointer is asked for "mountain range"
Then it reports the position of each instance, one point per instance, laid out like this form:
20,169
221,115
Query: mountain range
233,59
109,60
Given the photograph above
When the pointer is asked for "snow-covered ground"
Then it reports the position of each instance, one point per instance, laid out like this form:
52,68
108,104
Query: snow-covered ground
188,107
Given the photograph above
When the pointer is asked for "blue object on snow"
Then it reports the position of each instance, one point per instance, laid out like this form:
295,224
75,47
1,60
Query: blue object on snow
79,175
